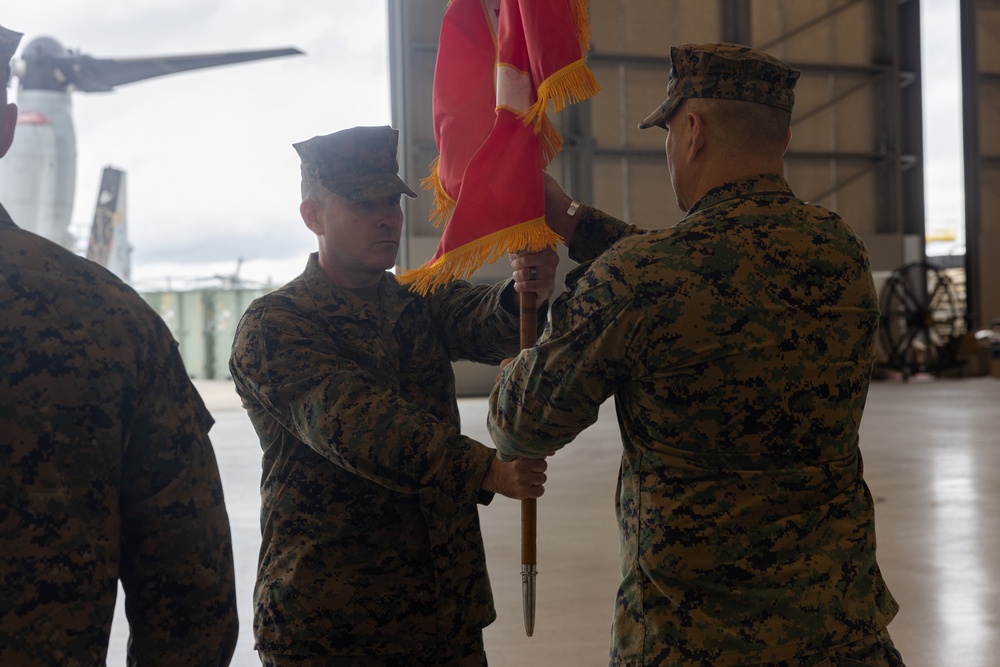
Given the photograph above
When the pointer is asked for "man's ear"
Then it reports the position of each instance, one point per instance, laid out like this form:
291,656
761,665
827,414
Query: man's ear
310,215
696,134
8,121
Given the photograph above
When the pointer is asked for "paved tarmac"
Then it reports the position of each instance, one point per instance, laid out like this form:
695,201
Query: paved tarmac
932,460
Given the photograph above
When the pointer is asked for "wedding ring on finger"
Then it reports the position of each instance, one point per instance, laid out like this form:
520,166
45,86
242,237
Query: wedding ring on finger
533,274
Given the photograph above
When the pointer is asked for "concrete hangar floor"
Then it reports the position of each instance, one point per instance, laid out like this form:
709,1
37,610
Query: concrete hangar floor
932,460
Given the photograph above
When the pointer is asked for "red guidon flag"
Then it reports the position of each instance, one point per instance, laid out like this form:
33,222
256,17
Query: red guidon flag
499,65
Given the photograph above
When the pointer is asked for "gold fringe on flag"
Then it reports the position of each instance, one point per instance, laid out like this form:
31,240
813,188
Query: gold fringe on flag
551,140
578,10
571,84
462,262
443,204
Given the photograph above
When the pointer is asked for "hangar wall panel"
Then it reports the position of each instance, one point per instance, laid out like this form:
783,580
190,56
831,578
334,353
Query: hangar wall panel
981,102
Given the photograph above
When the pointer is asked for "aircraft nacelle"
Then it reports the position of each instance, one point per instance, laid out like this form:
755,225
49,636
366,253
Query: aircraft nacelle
38,175
39,68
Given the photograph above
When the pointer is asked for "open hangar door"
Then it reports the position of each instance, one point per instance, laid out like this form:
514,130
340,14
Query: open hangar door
857,125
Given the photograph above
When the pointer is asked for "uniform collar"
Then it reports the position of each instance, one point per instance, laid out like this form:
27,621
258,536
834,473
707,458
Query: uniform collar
755,185
337,301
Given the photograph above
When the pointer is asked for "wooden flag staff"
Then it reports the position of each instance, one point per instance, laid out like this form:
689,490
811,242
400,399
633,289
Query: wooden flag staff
499,67
529,506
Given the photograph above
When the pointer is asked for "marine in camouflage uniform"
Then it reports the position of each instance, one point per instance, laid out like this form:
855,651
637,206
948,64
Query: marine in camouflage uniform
371,549
106,469
738,346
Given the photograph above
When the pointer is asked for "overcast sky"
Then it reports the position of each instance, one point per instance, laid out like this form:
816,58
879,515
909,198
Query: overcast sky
211,173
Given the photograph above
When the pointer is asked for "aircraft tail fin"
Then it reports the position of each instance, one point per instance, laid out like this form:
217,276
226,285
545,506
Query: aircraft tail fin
108,244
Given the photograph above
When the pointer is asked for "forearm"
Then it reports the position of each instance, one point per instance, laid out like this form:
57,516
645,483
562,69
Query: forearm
476,322
180,602
180,591
596,231
561,213
359,424
352,399
585,230
523,425
554,390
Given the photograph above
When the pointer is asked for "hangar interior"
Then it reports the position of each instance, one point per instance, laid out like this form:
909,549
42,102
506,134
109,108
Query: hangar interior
857,148
930,447
857,144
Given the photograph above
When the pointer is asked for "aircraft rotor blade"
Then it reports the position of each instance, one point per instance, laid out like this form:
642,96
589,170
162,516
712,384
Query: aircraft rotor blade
90,75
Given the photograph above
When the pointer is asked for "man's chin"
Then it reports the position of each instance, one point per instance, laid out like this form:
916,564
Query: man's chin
387,253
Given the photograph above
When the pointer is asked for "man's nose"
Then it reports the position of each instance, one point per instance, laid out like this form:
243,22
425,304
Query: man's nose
391,214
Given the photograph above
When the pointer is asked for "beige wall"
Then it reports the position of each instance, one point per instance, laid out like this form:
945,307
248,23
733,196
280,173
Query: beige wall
988,109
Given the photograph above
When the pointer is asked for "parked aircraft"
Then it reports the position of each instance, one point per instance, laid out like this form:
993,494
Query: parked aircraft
108,243
38,175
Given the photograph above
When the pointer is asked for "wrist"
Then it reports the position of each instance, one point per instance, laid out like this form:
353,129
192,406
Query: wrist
488,483
568,221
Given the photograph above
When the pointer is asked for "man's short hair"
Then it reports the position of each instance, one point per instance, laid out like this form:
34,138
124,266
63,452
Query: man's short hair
745,126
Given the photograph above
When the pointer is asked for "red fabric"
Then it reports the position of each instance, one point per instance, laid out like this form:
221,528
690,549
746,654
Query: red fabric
464,95
491,163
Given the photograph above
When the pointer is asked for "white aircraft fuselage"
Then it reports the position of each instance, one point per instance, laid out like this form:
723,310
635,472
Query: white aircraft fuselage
38,175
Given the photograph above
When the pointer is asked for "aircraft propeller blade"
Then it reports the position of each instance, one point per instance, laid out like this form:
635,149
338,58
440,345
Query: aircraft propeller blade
93,75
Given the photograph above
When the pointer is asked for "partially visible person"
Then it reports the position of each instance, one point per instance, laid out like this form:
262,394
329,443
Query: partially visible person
106,469
738,346
371,548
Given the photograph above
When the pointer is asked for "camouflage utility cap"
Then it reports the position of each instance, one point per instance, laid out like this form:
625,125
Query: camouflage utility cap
727,72
358,164
8,45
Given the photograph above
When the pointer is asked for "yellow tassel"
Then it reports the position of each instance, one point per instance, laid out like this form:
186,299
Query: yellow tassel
550,139
571,84
462,262
578,10
433,180
443,204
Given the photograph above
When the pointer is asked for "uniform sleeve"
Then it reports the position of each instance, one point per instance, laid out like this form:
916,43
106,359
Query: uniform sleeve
177,557
342,403
554,390
474,324
596,232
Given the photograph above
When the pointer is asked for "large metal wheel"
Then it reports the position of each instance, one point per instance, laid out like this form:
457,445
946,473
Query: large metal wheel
922,320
